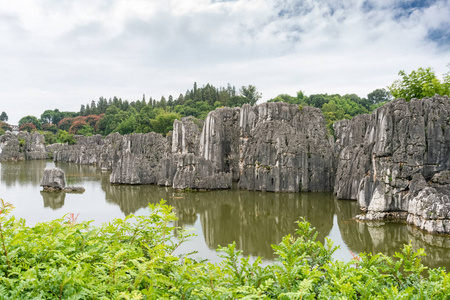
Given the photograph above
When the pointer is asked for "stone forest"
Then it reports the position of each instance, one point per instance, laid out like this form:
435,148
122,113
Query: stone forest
395,161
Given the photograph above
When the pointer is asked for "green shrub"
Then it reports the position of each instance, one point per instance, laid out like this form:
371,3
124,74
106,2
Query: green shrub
65,137
132,258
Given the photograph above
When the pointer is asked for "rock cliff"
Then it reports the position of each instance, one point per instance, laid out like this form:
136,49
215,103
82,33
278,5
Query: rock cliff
285,148
133,159
23,146
394,162
270,147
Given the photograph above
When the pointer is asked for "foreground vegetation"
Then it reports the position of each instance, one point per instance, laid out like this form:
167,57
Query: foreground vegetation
133,258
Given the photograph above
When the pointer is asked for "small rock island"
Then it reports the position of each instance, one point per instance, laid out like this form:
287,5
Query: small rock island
54,181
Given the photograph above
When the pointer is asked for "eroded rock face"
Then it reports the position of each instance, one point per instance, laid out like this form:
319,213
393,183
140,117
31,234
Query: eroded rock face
53,179
219,141
285,148
23,146
269,147
138,159
388,160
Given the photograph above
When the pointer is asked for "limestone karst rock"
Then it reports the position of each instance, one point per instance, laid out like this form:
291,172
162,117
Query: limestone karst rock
53,179
388,160
394,161
22,146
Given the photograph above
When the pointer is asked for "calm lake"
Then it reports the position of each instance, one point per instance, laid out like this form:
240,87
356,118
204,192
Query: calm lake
255,220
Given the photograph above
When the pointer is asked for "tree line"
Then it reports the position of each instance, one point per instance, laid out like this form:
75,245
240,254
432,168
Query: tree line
106,116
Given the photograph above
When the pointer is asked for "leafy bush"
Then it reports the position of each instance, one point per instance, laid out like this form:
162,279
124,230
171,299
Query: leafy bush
27,127
86,130
65,123
419,84
50,127
50,137
5,126
77,125
65,137
132,258
30,119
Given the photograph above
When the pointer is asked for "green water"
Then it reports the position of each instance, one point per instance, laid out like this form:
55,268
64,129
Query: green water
255,220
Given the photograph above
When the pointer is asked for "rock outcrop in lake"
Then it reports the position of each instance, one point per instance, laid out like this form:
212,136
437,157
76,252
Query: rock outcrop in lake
395,162
285,148
54,180
270,147
23,146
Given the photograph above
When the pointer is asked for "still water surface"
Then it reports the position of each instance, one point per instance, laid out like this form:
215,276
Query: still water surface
255,220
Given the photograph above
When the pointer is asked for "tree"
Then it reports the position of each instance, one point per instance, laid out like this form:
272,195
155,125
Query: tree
3,117
31,119
250,93
237,101
318,100
164,122
419,84
27,127
50,127
51,116
379,96
77,125
65,123
86,130
65,137
126,126
4,127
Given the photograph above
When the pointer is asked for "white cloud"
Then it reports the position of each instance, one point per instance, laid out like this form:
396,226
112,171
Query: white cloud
61,54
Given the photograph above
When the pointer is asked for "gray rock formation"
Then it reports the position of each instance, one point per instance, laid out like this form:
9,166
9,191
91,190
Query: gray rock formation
199,173
133,159
285,148
138,158
179,167
395,162
54,180
23,146
87,150
270,147
219,141
388,160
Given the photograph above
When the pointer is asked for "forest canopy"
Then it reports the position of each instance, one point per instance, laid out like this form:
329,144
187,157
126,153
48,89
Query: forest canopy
106,116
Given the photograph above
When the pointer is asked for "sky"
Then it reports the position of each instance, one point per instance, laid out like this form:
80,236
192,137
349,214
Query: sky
62,53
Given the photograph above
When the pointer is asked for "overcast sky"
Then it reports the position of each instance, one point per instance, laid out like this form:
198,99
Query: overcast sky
63,53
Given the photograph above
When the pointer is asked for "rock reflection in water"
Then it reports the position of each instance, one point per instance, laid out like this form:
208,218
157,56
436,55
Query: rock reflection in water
254,220
389,238
22,173
54,200
76,173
